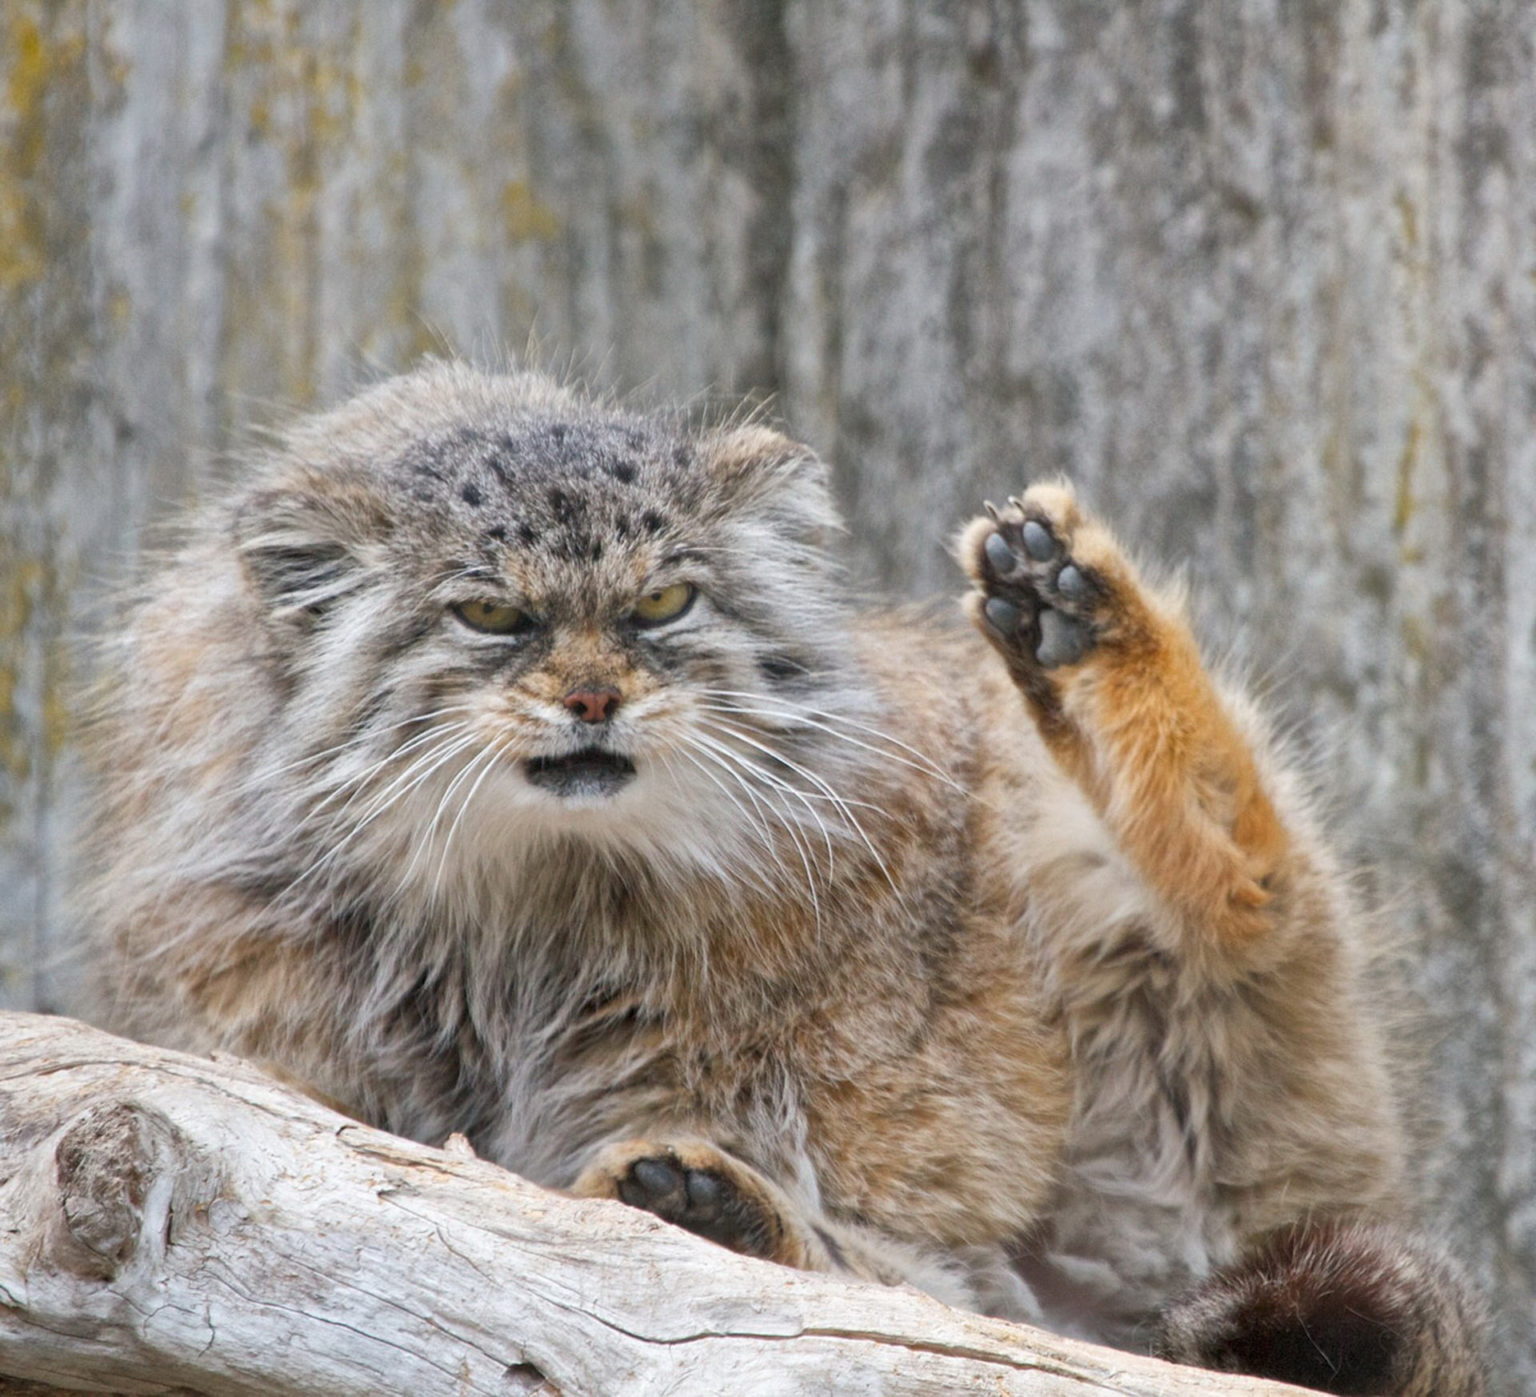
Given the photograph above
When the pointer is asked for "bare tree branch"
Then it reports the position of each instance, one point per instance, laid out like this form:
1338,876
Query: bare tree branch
175,1223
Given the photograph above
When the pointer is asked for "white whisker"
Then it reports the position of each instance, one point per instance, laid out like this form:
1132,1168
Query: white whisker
494,754
758,827
422,768
778,783
809,716
358,782
464,774
838,802
362,739
738,766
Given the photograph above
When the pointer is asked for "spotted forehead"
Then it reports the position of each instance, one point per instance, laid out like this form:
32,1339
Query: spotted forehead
570,489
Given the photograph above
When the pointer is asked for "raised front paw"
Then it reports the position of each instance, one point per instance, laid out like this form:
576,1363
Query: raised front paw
1045,578
701,1188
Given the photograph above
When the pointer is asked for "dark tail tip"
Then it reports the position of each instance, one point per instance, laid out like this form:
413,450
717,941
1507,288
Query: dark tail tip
1362,1310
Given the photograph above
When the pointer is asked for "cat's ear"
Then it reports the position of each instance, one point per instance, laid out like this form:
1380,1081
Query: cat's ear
306,542
757,469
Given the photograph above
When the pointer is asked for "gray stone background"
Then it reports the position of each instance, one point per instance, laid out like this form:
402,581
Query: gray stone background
1260,275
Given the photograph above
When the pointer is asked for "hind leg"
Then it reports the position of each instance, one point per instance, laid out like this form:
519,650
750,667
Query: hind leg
1115,682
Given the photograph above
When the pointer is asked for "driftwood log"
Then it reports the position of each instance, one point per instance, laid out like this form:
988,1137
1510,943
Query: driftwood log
171,1223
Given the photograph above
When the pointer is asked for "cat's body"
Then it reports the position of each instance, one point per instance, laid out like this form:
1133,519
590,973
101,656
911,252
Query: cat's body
499,763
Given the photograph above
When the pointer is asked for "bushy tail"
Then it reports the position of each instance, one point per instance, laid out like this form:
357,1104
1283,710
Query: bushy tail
1349,1308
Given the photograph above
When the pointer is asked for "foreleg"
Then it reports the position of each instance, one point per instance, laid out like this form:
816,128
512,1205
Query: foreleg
1117,688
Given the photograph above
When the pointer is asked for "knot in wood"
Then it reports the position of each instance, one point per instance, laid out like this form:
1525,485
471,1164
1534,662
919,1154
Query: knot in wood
105,1164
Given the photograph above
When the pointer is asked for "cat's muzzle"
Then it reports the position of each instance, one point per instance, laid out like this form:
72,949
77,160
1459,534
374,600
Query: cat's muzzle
592,771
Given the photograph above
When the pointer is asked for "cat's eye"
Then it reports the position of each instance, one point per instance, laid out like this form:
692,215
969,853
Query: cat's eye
664,604
492,616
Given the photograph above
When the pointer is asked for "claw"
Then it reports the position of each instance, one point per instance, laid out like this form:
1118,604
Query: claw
992,511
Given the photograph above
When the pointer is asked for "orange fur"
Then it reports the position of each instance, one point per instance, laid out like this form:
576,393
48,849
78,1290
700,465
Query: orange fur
1140,727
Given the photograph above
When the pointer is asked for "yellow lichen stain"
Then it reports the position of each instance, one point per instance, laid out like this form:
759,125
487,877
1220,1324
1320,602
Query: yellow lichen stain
116,67
21,257
14,757
403,322
35,63
302,97
1410,220
1405,504
58,721
335,93
19,598
26,80
251,49
527,219
1336,462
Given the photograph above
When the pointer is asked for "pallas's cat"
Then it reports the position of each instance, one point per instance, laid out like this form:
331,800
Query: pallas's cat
490,760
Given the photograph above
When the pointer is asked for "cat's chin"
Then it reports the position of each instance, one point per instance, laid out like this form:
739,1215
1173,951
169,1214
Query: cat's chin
593,773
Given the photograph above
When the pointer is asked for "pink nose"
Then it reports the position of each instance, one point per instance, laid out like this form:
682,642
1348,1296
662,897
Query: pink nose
593,705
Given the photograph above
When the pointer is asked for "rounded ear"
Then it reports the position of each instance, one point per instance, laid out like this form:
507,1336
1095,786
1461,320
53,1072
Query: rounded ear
303,544
759,470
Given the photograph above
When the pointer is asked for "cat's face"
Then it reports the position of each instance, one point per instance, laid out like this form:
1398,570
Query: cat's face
539,616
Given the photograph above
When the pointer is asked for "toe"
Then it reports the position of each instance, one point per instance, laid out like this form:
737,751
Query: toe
1071,583
1000,557
1002,616
652,1184
707,1193
1038,541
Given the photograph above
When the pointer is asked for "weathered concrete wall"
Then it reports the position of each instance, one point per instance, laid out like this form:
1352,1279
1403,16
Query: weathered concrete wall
1261,275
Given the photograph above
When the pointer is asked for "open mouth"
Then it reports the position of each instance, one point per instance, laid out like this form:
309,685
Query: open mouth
589,772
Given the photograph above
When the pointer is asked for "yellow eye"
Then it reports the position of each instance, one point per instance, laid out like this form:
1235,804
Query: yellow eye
491,616
664,604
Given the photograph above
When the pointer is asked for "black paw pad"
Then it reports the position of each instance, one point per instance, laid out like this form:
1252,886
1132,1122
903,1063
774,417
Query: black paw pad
1000,556
1063,641
1038,597
1038,541
1003,616
1071,583
657,1185
704,1201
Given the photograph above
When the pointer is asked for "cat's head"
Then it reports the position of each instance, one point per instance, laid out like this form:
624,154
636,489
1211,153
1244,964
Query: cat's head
496,611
